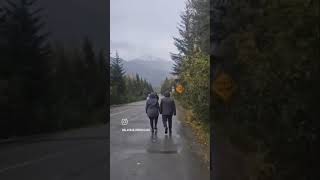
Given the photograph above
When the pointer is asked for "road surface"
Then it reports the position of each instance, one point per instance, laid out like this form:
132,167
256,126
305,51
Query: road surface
73,155
139,155
83,154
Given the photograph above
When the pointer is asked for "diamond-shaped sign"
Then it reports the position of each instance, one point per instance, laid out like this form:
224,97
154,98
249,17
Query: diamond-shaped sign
180,88
223,86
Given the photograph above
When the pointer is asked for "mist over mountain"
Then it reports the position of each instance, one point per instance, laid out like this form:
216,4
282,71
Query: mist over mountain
153,69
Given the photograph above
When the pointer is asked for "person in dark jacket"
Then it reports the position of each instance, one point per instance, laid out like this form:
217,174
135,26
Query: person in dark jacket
152,110
167,109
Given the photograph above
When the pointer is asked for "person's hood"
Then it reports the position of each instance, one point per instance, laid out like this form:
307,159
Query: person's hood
153,101
153,95
166,94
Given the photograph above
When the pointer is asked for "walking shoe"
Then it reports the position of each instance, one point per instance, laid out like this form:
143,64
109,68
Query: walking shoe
170,132
155,129
166,131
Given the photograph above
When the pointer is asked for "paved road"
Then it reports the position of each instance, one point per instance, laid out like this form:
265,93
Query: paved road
74,155
139,155
83,154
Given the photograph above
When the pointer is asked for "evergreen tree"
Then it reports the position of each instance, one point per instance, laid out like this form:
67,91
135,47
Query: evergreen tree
91,72
117,79
88,51
102,64
4,129
3,43
166,85
201,25
138,85
126,88
26,51
185,43
274,50
102,79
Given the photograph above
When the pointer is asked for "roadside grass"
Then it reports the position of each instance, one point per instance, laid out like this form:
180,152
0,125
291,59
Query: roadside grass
200,129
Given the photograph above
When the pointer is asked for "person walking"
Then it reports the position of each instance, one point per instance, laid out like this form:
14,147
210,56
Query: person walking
152,110
167,109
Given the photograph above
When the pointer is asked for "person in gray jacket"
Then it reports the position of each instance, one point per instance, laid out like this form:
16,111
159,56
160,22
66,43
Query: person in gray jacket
152,110
167,109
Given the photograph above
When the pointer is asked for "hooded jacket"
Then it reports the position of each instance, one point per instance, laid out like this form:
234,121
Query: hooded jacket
152,106
167,105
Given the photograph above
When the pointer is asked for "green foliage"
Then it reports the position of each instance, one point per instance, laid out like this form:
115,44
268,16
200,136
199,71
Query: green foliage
196,95
24,54
192,62
125,89
272,47
184,44
194,32
50,88
117,81
139,88
78,87
167,85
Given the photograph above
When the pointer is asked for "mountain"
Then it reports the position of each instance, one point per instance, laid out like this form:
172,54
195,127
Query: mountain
153,69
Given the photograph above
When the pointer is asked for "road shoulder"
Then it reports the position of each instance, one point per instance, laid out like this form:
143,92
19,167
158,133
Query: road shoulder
196,134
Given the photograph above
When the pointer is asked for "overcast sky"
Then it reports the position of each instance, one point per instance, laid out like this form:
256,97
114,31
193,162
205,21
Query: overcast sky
144,27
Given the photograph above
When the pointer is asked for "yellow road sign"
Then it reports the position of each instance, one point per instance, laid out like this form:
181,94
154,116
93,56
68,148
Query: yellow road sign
223,86
180,88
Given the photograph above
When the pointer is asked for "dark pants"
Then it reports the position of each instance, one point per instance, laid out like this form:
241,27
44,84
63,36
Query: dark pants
165,119
153,122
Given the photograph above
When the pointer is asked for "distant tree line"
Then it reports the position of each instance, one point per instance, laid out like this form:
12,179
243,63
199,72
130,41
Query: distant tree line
167,85
271,50
46,87
125,88
191,63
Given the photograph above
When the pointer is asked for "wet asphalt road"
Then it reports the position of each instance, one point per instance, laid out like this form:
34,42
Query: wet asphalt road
73,155
139,155
82,154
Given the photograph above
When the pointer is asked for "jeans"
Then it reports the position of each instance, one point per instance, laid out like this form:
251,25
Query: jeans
153,122
165,119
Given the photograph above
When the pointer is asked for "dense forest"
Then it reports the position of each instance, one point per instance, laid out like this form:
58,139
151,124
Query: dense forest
267,128
125,88
269,125
45,86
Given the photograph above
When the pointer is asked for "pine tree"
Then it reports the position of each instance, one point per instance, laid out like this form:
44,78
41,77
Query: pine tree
185,43
88,51
4,61
103,74
102,64
26,53
91,72
117,80
166,86
138,85
4,128
275,62
201,25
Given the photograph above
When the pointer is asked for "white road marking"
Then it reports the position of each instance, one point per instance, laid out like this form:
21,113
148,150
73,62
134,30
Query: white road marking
119,112
26,163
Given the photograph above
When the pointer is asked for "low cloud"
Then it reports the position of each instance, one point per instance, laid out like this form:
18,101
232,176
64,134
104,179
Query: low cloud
144,27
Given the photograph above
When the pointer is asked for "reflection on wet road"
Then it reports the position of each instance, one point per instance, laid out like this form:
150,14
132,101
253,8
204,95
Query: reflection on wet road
141,155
